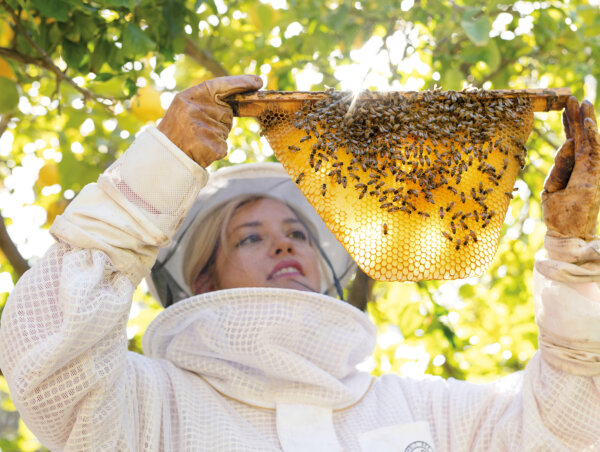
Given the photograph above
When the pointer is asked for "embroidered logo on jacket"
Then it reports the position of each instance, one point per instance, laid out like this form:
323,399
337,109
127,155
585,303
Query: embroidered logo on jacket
418,446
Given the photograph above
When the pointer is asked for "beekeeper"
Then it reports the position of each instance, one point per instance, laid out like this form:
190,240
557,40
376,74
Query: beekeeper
263,359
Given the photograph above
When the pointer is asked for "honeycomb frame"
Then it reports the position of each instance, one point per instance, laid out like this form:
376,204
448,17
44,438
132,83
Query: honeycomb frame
415,188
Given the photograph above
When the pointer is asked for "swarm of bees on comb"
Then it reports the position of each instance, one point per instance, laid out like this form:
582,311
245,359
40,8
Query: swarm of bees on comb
415,186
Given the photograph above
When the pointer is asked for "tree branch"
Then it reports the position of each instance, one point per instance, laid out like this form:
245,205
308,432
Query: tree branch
544,137
4,123
504,63
25,59
45,62
11,252
204,58
7,246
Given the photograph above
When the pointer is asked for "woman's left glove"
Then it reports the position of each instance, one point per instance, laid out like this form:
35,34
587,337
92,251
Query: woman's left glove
571,195
198,121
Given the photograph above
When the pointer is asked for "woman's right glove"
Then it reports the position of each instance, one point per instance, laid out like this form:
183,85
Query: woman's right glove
198,121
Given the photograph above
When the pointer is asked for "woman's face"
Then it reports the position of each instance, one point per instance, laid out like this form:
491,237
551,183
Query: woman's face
268,247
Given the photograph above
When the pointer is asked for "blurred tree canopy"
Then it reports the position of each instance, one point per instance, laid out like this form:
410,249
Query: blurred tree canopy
78,79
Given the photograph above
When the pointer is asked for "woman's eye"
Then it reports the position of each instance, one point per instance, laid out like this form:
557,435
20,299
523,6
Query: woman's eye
298,234
252,238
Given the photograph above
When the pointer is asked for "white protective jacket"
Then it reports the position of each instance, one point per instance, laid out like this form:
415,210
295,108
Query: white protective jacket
261,369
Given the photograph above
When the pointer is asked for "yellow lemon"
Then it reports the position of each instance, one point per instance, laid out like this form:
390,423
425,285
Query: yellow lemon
145,105
48,175
55,209
6,71
6,33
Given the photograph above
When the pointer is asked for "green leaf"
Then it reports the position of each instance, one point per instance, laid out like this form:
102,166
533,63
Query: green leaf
452,79
448,333
9,95
130,87
75,173
88,28
410,318
50,36
74,53
493,56
74,33
339,19
265,16
174,18
129,4
104,76
212,4
99,55
466,291
545,30
56,9
135,41
477,28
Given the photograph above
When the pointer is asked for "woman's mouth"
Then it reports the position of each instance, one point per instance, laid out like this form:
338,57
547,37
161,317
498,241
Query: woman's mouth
286,269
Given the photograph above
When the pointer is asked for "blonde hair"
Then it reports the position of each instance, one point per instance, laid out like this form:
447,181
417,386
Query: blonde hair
201,255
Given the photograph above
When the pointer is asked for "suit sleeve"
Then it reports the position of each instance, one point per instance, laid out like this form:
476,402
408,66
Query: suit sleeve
63,343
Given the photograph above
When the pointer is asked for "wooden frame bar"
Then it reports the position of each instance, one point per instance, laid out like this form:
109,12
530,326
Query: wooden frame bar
254,103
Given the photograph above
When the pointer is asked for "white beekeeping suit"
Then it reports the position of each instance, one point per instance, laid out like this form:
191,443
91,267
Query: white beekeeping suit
262,369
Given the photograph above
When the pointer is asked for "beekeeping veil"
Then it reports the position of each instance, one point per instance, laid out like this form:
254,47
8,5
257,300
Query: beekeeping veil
167,282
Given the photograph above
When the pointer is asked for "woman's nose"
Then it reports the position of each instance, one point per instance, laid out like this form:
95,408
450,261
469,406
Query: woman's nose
283,245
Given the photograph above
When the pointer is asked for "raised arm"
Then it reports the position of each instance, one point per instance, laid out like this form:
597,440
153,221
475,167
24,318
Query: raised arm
63,347
554,404
568,295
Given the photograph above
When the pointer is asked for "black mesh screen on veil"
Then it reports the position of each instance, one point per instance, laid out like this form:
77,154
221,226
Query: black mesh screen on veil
167,289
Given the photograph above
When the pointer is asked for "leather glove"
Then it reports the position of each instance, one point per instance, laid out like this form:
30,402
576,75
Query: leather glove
571,195
198,121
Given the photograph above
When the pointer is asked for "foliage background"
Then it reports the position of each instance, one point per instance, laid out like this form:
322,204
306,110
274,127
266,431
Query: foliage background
78,79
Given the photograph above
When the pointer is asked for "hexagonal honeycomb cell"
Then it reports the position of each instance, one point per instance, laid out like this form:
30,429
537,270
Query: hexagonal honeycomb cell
414,187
